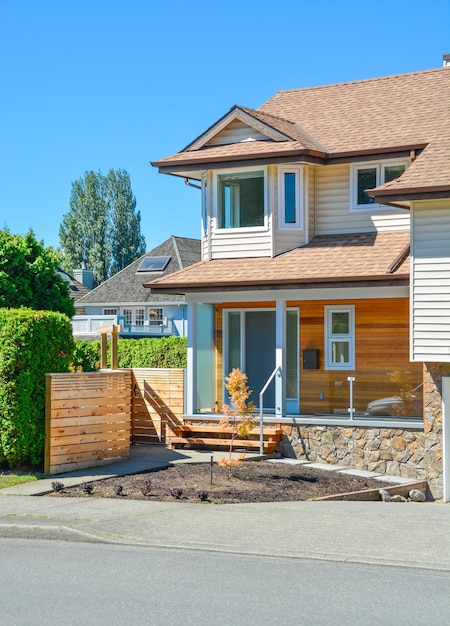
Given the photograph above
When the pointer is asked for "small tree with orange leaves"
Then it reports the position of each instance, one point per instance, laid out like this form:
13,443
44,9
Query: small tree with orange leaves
238,417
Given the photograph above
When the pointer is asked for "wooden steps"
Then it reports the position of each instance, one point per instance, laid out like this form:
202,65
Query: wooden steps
214,436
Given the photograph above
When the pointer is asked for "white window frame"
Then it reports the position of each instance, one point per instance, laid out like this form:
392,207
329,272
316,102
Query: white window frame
379,166
158,319
128,314
139,314
298,173
344,337
205,204
239,170
111,311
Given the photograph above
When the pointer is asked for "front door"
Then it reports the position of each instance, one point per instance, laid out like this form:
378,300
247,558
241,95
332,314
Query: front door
250,344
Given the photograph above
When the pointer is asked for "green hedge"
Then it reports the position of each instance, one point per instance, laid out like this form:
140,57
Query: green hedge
152,352
32,343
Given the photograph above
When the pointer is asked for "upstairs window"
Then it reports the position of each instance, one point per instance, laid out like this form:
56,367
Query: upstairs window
289,197
369,175
241,199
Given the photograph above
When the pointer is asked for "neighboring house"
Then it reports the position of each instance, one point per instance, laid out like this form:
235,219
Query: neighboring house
307,208
123,299
79,284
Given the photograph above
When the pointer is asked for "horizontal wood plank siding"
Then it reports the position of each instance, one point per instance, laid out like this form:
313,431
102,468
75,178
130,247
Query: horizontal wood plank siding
88,418
430,281
333,213
382,346
157,403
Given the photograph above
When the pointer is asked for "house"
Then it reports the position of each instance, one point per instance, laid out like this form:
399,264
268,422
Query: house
325,272
123,300
79,284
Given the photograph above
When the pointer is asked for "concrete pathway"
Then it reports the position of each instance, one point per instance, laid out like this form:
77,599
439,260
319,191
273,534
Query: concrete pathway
397,534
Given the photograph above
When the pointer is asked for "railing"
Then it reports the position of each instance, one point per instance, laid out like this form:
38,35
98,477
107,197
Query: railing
278,404
88,325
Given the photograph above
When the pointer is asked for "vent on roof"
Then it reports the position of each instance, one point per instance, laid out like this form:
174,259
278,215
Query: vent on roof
153,264
446,60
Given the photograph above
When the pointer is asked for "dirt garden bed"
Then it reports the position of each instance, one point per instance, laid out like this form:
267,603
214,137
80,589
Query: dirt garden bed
253,481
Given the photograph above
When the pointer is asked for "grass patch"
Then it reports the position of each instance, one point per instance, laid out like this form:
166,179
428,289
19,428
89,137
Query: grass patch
9,480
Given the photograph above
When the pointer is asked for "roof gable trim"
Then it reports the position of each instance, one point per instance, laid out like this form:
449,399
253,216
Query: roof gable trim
236,113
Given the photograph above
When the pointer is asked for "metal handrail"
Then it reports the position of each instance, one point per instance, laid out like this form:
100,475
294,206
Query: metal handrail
261,411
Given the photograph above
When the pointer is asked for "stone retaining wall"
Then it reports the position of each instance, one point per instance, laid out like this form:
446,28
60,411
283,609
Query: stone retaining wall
410,453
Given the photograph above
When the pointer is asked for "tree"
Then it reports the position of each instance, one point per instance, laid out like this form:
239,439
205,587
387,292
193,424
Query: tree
102,228
28,275
126,241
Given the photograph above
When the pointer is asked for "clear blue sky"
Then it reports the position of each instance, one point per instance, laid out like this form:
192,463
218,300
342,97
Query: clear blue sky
99,84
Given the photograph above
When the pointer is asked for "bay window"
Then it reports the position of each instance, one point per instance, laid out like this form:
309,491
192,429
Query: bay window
241,199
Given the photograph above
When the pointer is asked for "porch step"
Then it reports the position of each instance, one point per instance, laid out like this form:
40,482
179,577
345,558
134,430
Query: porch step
215,436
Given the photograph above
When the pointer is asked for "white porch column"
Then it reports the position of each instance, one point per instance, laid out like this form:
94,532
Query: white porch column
280,357
191,374
446,438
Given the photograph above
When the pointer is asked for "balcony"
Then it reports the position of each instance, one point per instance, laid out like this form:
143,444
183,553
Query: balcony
87,325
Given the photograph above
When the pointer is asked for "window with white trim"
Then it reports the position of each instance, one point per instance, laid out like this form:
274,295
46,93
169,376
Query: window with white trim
109,311
340,337
155,316
240,198
128,316
369,175
139,317
289,197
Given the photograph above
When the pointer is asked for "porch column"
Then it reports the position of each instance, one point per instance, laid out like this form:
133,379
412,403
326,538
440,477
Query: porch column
280,358
191,373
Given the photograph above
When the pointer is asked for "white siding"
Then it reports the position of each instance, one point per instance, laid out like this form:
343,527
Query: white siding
333,215
235,133
285,239
430,281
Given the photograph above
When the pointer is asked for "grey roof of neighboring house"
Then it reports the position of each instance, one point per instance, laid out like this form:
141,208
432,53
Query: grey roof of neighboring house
127,286
76,289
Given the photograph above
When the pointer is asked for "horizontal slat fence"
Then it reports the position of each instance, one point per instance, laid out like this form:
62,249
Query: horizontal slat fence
88,419
157,404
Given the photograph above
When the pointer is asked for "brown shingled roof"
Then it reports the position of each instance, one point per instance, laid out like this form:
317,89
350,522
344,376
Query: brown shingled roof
379,115
327,258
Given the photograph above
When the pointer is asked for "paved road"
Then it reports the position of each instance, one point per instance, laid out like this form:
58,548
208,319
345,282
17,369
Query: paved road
49,583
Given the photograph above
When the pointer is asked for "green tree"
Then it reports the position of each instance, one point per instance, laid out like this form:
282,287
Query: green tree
28,275
126,241
102,228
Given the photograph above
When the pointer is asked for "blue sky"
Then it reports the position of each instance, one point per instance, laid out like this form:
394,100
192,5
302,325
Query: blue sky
100,84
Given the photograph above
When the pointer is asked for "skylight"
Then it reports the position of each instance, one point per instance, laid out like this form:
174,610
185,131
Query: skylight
153,264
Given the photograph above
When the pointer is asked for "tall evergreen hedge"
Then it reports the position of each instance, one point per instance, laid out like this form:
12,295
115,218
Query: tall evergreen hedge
32,344
151,352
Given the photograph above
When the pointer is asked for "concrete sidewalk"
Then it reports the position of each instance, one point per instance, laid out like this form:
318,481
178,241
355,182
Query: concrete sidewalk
408,535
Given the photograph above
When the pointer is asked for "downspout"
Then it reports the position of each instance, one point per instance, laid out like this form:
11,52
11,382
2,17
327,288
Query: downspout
189,184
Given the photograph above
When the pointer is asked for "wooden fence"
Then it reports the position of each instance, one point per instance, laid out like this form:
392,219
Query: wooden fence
157,404
91,418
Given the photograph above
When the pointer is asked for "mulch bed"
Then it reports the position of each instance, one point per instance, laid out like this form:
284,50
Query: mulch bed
253,481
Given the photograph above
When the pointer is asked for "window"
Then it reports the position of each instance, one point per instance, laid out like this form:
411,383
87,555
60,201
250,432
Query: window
369,175
205,205
289,197
340,338
155,316
139,317
241,199
109,311
128,313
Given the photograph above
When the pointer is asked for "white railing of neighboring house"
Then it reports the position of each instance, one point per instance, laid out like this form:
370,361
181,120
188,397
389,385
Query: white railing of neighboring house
88,325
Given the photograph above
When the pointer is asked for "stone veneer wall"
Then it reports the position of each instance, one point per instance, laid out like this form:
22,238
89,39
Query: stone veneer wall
410,453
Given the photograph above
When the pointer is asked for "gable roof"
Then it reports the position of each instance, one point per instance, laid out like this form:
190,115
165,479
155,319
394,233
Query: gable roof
390,114
351,258
76,289
127,286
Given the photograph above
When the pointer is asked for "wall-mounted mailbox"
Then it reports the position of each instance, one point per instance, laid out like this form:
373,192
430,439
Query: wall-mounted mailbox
311,359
